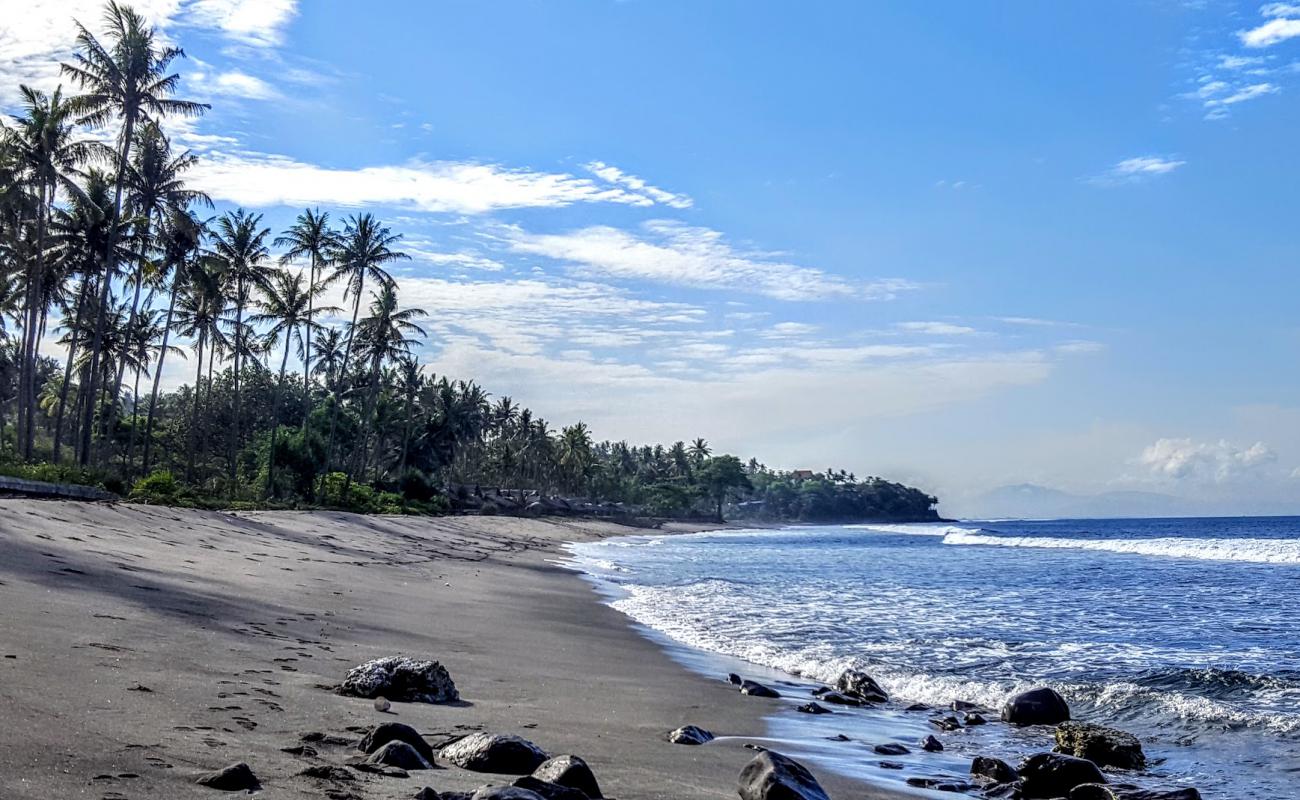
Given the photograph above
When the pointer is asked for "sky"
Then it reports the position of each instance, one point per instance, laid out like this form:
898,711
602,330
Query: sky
962,245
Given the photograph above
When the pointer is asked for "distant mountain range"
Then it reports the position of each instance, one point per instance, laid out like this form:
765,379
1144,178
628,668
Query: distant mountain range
1031,501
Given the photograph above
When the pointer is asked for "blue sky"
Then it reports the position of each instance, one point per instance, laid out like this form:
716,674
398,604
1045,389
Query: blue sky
959,244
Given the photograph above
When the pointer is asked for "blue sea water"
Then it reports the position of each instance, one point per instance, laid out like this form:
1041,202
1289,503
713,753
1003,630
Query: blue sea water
1185,632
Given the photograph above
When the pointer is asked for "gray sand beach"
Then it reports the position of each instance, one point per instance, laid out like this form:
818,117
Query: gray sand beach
141,647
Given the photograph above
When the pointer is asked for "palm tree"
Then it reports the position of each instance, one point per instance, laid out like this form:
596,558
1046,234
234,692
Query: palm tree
287,306
147,337
181,241
309,236
79,235
386,334
700,451
156,189
575,453
410,382
47,156
200,315
128,81
239,247
362,252
328,351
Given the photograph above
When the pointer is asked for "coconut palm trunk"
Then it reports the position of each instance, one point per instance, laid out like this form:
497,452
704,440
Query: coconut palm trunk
275,418
157,377
101,309
194,417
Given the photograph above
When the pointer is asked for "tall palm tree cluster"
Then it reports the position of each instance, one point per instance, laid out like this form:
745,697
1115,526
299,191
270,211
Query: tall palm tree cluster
109,258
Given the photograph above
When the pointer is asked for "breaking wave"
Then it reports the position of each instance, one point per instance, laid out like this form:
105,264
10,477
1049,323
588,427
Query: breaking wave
1258,551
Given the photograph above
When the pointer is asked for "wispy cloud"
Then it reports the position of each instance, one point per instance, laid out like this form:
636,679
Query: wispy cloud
1138,168
233,84
1217,96
683,255
618,177
262,179
937,328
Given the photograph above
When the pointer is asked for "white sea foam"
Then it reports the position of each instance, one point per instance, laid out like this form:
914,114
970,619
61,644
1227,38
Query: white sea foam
1259,551
913,529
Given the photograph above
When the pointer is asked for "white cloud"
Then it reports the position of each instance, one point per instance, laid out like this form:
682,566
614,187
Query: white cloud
1139,168
617,176
1216,462
1218,96
1239,62
937,328
682,255
36,36
233,84
261,179
785,330
463,259
1035,322
1079,347
1271,32
259,23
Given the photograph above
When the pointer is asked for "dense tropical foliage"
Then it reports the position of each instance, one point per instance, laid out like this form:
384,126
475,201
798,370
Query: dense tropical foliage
108,252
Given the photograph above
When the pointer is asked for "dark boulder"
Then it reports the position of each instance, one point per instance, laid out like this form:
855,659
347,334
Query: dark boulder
1036,707
547,790
917,707
428,793
839,699
1100,745
1127,791
234,778
756,689
994,769
856,683
505,793
569,771
813,708
399,754
939,784
931,745
946,724
892,749
973,718
494,752
401,679
772,776
962,705
689,734
890,765
381,735
1054,775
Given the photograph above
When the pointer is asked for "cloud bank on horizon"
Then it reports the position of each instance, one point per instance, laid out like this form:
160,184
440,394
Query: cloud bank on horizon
779,271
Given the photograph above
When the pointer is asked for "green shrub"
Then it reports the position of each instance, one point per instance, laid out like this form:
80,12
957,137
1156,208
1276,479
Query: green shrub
157,488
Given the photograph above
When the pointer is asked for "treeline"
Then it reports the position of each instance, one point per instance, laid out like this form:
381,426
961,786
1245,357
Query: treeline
833,496
106,250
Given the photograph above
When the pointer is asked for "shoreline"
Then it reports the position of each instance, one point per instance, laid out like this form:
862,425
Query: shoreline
145,645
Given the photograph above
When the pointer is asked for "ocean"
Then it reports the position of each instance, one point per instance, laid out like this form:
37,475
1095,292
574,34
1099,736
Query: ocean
1184,632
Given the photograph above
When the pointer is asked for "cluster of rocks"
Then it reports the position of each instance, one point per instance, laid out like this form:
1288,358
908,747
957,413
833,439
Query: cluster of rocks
1072,772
